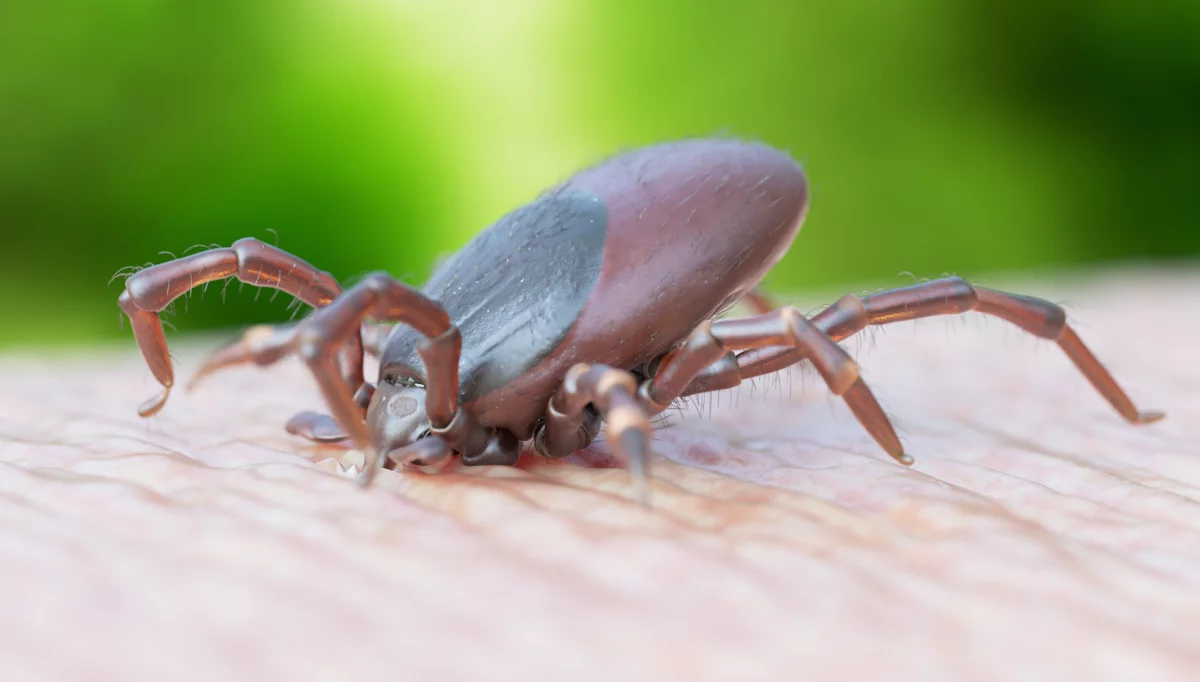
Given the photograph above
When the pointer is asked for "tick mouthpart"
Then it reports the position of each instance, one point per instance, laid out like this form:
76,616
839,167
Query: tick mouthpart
426,451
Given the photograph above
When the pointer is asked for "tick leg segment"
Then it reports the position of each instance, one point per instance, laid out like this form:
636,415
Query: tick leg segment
570,426
953,296
321,428
261,345
317,427
151,290
264,345
708,345
758,302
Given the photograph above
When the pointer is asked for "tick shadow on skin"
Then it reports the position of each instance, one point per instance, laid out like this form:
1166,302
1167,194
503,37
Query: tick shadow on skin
707,471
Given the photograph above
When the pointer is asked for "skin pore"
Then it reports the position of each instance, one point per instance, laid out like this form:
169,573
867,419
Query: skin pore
1037,535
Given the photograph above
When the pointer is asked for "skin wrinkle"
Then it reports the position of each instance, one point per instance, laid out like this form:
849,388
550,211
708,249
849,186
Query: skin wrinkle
1092,506
575,568
279,533
782,540
715,523
1081,462
705,531
1145,522
681,522
1105,472
709,552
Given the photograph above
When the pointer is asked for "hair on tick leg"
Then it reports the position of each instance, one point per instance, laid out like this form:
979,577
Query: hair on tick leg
125,272
196,246
661,422
295,311
187,295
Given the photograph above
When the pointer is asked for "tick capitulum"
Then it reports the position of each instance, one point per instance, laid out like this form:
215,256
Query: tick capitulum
594,303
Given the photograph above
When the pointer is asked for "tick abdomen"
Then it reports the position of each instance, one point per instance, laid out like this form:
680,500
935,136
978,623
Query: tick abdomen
691,227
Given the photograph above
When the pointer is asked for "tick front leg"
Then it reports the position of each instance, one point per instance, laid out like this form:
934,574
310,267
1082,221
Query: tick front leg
707,349
261,345
571,426
316,427
954,296
379,296
149,291
265,345
321,428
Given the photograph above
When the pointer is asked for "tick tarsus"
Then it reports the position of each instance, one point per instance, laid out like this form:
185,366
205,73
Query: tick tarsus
613,393
620,268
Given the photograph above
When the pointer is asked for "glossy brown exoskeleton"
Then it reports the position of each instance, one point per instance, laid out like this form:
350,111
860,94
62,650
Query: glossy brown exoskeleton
594,303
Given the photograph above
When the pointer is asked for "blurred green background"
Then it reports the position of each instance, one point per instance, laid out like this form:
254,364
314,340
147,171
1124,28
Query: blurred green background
938,135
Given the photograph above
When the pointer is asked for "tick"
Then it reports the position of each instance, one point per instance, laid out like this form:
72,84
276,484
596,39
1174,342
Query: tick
597,303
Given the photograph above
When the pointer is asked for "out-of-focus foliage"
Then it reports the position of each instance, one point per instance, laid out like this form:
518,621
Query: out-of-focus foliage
939,136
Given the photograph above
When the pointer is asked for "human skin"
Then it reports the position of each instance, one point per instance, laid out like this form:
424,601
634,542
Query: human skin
1038,536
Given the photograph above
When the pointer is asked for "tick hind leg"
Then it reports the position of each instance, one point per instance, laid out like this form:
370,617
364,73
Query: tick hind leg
951,296
706,359
570,425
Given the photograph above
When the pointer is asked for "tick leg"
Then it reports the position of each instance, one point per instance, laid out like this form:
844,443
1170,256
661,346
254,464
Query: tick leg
264,345
151,290
381,297
722,374
758,302
708,346
321,428
317,427
261,345
953,296
570,426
